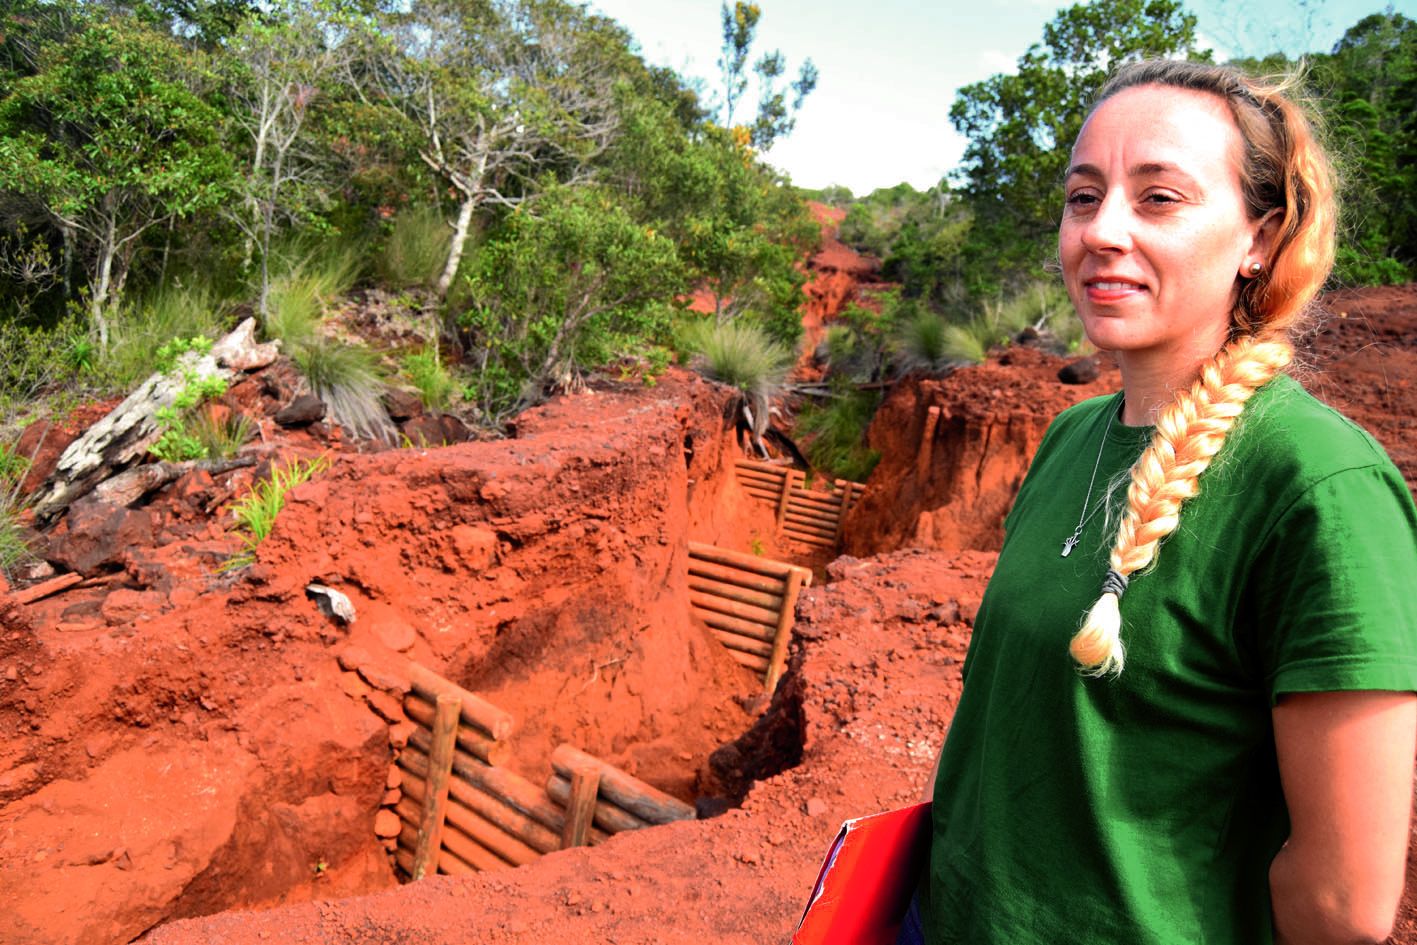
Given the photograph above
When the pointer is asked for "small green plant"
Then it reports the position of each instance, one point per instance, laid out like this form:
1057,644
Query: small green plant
256,511
178,442
13,547
425,370
756,547
349,381
152,333
168,354
221,435
837,432
969,343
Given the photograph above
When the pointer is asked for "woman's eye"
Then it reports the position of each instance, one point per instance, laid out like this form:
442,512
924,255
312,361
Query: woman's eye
1081,199
1161,198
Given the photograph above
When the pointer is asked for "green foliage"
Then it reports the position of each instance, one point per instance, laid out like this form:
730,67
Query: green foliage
169,352
739,354
924,342
308,282
426,371
836,434
179,441
347,377
149,334
38,359
220,435
256,512
566,287
1021,126
13,547
416,250
776,115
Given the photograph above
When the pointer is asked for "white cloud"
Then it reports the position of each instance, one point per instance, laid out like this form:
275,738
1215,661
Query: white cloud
993,61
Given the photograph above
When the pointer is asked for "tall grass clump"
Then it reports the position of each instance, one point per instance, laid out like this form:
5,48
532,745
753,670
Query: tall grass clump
835,434
308,282
923,342
256,511
430,377
221,435
176,310
739,354
348,379
13,547
416,250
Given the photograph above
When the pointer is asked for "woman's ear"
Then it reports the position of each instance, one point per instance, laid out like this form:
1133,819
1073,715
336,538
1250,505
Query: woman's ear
1266,232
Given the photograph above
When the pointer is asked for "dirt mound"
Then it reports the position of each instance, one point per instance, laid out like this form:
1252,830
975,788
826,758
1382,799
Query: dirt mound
180,741
875,674
837,276
948,482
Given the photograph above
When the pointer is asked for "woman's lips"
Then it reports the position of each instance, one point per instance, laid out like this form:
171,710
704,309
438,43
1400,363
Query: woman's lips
1104,291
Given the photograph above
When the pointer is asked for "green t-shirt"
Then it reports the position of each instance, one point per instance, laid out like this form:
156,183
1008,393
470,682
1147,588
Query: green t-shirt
1146,808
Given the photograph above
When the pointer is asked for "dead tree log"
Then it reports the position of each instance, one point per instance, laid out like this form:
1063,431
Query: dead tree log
123,436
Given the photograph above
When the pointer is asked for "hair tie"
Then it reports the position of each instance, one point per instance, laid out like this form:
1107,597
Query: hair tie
1115,582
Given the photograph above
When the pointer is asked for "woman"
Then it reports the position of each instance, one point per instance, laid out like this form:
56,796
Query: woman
1227,756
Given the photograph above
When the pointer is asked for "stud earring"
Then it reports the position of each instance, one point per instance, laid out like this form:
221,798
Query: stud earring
1256,268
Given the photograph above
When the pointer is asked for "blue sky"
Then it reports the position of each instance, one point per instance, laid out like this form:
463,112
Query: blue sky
890,68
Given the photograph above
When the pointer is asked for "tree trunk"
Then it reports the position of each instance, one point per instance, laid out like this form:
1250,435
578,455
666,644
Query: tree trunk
455,248
98,301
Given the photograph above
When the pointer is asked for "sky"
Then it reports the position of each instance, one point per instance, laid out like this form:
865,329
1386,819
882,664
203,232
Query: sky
889,69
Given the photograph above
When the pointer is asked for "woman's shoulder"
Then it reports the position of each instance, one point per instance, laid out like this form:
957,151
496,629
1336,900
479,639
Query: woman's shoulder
1301,439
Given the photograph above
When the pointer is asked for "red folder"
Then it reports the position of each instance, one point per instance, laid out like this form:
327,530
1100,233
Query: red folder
867,879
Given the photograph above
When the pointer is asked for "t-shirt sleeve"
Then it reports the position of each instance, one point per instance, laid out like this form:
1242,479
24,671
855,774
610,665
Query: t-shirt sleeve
1336,587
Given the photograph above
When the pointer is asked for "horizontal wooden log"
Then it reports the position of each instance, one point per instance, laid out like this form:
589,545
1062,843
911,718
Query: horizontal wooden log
471,740
825,529
643,800
731,592
55,585
815,500
739,559
736,577
810,539
476,711
489,806
759,466
745,628
759,475
721,605
511,789
448,862
609,818
767,495
811,521
487,834
758,664
735,641
470,853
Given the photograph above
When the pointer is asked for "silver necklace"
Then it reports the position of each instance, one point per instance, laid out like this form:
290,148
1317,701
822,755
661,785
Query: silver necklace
1084,516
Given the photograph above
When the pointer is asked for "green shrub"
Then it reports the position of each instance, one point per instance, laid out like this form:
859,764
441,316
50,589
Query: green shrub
837,432
970,342
417,248
923,342
37,359
740,355
425,370
308,283
256,511
13,548
349,381
142,331
179,442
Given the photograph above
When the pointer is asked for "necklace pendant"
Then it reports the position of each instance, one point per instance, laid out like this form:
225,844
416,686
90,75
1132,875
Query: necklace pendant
1069,545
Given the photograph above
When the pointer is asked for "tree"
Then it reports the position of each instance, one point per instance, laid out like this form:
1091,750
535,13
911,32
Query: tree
776,114
502,94
107,139
560,289
1021,126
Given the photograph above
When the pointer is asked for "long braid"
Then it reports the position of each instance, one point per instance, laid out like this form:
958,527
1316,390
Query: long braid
1189,433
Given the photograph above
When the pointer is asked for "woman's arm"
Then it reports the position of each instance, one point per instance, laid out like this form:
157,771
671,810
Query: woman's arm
1345,760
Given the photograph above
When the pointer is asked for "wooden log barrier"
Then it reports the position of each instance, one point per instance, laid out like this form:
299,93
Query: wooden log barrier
610,817
448,862
486,834
762,615
732,592
848,496
758,664
736,641
745,628
745,562
580,806
735,576
435,798
490,807
510,789
778,659
472,740
643,800
476,711
792,477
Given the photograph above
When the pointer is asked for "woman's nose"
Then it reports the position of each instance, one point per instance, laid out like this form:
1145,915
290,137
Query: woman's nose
1110,228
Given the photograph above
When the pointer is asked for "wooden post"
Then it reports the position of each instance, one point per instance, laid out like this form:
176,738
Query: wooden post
474,742
784,630
580,806
927,443
609,818
788,477
848,489
435,797
476,711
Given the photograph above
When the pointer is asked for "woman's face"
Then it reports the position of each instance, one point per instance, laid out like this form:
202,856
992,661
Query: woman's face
1154,232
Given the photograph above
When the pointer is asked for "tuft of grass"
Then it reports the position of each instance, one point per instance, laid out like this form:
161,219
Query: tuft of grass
970,342
838,434
256,512
739,354
221,437
923,340
300,294
426,371
348,379
417,248
13,547
140,330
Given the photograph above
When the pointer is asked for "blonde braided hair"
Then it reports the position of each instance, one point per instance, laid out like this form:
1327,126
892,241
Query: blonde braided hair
1284,171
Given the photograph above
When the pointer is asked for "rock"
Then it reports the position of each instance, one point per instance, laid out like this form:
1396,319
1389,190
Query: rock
331,602
402,404
353,657
476,548
453,429
395,634
301,412
240,351
1082,371
95,534
816,807
423,431
381,678
385,706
